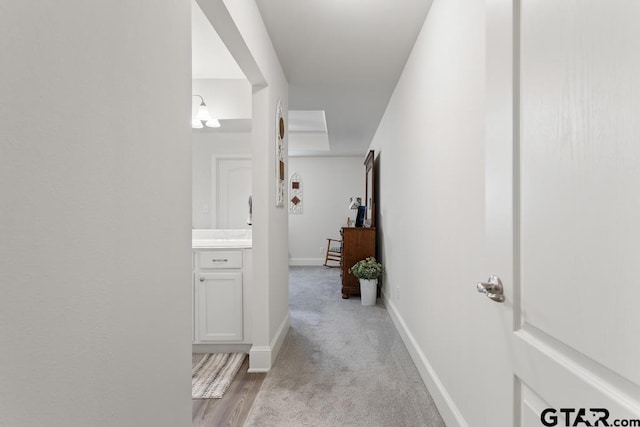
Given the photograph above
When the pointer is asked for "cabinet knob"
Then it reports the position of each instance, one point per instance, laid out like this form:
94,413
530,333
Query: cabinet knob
202,279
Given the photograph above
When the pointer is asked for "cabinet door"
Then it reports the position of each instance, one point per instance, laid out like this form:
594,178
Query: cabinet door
357,244
219,307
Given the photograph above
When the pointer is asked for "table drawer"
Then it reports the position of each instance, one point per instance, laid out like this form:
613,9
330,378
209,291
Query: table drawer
220,259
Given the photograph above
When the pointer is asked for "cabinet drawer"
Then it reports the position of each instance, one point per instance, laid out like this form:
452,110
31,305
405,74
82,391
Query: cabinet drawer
221,259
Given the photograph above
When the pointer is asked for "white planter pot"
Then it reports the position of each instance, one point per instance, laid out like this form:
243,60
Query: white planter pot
368,291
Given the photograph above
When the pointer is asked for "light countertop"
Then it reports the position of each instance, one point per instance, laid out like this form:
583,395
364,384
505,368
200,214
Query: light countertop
221,239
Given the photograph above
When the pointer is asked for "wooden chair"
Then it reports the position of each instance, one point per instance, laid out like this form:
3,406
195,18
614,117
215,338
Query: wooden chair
334,253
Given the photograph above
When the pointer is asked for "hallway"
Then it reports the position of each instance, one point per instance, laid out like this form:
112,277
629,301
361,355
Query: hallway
342,364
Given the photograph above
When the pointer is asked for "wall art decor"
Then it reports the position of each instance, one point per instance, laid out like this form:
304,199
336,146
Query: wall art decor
280,156
295,194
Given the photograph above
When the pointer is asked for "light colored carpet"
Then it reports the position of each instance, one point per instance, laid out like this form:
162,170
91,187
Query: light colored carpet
212,373
342,364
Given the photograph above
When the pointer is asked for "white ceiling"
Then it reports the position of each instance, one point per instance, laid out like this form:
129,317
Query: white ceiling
343,57
308,133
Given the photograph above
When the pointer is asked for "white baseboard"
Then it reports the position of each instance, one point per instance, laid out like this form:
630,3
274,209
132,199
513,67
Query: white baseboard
278,339
305,261
447,407
261,358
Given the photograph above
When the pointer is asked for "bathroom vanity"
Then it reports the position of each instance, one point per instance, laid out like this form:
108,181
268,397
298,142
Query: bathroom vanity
221,285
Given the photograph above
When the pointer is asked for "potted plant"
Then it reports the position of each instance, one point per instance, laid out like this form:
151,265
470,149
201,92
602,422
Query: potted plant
368,271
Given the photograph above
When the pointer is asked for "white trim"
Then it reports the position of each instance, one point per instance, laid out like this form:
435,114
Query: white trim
447,407
261,358
278,339
306,261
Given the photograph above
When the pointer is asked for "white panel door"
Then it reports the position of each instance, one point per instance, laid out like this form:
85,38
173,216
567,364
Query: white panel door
233,188
563,210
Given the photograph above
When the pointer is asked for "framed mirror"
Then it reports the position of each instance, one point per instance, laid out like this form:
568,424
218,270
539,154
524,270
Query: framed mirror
370,189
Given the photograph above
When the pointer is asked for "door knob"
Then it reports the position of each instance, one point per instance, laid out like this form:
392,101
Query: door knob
492,288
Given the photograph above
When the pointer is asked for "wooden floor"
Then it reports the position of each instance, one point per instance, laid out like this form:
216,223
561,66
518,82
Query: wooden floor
235,404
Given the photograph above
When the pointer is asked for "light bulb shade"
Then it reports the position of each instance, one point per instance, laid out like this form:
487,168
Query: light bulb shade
212,123
203,113
196,124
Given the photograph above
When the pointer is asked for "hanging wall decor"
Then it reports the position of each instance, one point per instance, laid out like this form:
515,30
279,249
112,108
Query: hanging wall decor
295,194
280,156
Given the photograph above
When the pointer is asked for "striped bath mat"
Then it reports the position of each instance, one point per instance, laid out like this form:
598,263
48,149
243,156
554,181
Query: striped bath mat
211,374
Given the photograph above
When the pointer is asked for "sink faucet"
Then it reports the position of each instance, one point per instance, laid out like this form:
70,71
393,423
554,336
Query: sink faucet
249,221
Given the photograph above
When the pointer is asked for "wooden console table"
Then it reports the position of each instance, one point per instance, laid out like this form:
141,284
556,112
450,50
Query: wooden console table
358,243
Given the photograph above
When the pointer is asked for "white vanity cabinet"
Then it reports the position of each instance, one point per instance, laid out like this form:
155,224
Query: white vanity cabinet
219,306
221,278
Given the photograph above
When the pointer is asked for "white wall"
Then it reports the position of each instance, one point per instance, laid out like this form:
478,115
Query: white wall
95,178
430,154
205,145
327,185
225,98
241,28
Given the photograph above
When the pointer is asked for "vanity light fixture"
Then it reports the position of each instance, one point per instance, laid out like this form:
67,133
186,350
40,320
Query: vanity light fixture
203,118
